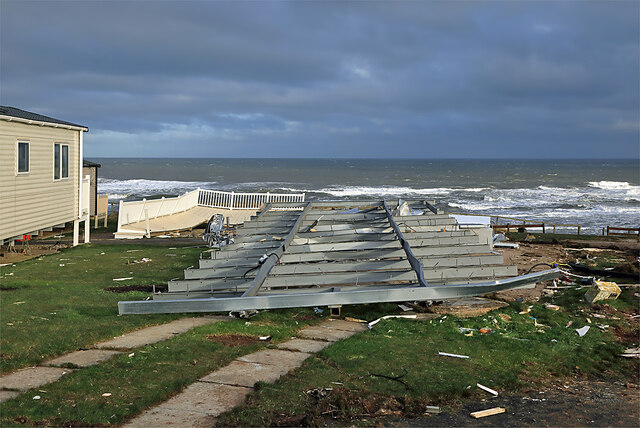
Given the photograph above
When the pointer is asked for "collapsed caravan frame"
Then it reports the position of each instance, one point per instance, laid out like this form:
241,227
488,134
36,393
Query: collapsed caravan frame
338,253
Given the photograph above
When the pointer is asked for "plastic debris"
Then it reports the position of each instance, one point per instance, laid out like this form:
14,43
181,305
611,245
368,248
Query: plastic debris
317,310
122,279
631,353
582,331
489,390
106,394
602,290
36,397
432,409
446,354
386,317
265,338
485,330
552,307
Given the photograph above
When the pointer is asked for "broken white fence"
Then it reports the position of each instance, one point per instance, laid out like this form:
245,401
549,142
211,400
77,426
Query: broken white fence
136,211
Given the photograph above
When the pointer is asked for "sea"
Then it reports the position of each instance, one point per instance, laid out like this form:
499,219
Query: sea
592,193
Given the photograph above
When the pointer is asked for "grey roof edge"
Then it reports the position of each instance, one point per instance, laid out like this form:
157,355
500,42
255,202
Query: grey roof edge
88,163
8,113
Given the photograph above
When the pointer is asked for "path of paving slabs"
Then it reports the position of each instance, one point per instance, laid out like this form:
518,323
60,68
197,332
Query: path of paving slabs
222,390
14,384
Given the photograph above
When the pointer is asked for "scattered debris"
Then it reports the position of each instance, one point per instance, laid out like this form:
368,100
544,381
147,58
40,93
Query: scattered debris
526,311
432,409
142,260
317,310
506,245
489,390
446,354
404,308
582,331
394,378
504,317
122,279
106,394
386,317
36,397
602,291
631,353
265,338
485,330
552,307
18,303
488,412
356,320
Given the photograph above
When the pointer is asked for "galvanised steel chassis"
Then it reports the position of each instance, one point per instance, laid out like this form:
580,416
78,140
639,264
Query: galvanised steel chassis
331,257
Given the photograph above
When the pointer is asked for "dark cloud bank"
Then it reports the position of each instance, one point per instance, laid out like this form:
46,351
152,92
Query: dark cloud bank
331,79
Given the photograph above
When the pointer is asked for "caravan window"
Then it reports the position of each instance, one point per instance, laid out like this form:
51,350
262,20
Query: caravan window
60,161
23,157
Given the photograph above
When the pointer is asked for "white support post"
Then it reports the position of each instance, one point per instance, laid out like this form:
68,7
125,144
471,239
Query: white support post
87,228
76,232
146,221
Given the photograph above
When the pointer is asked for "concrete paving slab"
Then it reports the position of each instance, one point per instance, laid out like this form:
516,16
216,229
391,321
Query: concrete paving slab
86,358
240,373
303,345
32,377
344,325
163,417
322,333
157,333
8,395
281,358
207,398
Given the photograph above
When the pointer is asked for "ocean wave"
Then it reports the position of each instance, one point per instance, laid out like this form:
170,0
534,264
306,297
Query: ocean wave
612,185
121,189
347,191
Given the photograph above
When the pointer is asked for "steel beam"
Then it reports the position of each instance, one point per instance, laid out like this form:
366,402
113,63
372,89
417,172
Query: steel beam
390,294
275,256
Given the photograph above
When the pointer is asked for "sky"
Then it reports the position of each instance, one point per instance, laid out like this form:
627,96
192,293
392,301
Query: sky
366,79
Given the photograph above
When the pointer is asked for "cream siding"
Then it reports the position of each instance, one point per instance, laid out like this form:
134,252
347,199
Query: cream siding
34,201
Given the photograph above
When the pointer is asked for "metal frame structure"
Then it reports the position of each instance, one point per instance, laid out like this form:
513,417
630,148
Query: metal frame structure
337,253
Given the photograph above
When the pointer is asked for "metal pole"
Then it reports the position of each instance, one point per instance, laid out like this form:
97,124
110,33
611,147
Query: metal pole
274,257
413,261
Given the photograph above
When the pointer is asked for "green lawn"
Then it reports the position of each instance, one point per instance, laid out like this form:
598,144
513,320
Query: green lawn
48,309
58,303
517,353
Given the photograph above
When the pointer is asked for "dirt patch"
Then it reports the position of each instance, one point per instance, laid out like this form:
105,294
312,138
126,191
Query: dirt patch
565,403
233,339
145,288
344,405
26,253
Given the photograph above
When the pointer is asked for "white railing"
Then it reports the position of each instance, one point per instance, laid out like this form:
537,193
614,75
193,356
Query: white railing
232,200
137,211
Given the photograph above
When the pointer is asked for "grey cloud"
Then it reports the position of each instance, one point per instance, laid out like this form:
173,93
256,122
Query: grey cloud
332,79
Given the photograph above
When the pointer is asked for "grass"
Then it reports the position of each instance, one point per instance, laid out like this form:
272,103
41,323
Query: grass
59,303
149,376
520,351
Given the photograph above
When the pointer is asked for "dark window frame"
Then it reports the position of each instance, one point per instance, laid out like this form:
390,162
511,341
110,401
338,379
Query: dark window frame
23,167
